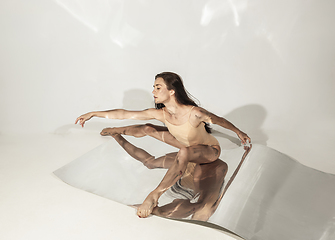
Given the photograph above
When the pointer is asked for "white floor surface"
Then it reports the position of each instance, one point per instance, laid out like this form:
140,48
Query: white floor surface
34,204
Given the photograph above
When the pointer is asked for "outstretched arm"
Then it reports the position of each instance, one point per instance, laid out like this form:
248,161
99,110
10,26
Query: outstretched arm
205,116
147,114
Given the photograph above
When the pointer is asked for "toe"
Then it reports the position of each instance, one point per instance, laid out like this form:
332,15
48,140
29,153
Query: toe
139,213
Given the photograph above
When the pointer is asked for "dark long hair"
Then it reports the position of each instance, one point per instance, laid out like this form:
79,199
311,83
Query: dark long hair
174,82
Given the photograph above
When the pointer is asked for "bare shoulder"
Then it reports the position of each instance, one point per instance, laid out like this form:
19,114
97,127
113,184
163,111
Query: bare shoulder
201,114
155,113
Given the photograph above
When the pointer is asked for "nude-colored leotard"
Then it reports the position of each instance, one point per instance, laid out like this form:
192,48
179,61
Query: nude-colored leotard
190,135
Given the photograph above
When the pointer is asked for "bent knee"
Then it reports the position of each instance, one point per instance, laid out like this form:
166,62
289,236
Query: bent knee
223,166
216,153
222,169
148,129
182,155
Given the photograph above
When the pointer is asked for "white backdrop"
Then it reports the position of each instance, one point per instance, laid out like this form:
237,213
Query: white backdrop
266,65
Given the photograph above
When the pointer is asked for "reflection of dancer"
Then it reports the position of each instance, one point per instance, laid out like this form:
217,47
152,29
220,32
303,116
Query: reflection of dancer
203,182
186,130
208,181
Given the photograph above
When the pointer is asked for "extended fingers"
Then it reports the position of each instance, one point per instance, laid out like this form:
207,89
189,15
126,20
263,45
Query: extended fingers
242,138
77,120
82,122
245,138
80,119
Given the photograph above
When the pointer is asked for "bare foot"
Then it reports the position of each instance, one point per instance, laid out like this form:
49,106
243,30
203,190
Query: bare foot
109,132
148,205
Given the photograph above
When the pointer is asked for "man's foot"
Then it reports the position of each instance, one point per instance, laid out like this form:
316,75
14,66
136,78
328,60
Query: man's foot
148,205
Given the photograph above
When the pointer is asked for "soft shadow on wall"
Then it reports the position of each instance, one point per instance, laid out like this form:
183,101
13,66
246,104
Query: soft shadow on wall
248,119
